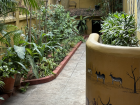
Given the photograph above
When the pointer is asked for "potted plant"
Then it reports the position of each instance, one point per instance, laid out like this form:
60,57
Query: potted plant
16,56
14,42
97,6
7,74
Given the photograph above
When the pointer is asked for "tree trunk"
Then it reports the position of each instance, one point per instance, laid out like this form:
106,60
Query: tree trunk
27,24
27,30
134,87
45,26
30,26
109,10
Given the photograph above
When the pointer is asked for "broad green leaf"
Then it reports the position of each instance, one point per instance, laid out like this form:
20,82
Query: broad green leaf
22,66
29,51
33,65
20,51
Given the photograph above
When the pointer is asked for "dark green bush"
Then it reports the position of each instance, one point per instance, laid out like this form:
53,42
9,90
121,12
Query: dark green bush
119,29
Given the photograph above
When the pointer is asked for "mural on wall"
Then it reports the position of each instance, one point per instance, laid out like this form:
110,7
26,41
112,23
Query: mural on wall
95,102
115,83
87,101
99,79
101,76
107,103
117,79
90,71
138,14
133,77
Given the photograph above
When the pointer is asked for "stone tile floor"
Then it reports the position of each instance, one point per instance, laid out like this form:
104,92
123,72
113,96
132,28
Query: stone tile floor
67,89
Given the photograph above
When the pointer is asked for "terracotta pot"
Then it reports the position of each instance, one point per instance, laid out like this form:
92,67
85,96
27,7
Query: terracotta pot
9,85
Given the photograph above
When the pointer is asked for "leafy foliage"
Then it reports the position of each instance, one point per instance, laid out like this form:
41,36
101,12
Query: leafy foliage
7,71
56,14
7,6
1,83
15,60
55,37
46,67
33,65
82,27
119,29
24,89
110,6
20,51
10,35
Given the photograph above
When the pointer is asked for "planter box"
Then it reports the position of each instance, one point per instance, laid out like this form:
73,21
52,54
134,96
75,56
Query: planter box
112,73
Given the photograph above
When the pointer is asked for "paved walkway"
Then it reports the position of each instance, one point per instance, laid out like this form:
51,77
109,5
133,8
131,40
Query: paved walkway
67,89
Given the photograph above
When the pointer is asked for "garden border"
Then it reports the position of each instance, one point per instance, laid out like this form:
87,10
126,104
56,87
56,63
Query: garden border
47,78
56,71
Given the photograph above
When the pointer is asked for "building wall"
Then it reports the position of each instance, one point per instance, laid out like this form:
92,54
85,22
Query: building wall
125,5
20,22
51,1
86,3
77,3
65,3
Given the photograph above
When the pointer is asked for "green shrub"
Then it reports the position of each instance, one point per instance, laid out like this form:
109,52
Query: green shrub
119,29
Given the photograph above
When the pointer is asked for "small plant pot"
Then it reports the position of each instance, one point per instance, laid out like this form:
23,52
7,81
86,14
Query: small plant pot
9,85
97,7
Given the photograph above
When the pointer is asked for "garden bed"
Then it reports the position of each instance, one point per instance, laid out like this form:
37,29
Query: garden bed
56,71
47,78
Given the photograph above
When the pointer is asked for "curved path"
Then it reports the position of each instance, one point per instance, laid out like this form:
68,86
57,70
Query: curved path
67,89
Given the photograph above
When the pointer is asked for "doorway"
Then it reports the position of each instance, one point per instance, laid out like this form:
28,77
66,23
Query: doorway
96,26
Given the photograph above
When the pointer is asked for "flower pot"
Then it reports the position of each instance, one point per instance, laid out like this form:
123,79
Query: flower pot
112,73
9,85
97,7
